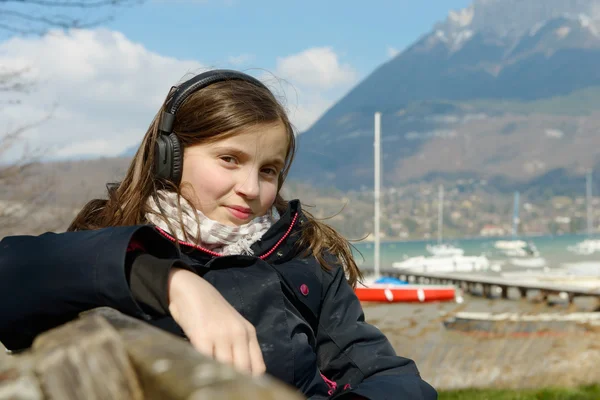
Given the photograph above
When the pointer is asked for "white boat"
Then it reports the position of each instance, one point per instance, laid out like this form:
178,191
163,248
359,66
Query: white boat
507,245
528,262
517,248
392,290
444,249
441,248
458,263
444,257
587,246
519,252
527,250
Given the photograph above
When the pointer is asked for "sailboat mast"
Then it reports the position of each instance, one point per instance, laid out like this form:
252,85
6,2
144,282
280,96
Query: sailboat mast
376,194
440,213
588,195
515,226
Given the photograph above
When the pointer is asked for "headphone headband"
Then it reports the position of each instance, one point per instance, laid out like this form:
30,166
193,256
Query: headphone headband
183,91
168,153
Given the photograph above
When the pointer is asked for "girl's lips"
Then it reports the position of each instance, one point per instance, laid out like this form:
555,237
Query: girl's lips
240,212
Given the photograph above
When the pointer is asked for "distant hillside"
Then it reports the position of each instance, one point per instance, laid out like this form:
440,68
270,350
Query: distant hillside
506,91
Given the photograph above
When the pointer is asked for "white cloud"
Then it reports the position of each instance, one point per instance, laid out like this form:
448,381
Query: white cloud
101,89
316,67
312,81
227,3
392,52
240,59
304,106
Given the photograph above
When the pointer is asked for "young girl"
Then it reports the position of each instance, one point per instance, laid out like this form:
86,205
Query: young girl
198,240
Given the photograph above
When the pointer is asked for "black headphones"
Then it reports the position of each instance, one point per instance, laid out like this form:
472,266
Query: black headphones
168,154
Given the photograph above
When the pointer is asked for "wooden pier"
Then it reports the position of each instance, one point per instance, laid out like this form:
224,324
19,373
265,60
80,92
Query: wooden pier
492,286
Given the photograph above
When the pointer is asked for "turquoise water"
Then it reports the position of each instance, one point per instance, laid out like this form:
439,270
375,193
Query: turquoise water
552,248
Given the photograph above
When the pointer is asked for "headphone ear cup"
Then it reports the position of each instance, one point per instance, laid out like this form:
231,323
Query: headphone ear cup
162,158
177,159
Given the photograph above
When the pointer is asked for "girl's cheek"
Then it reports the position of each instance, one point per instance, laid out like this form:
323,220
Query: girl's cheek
272,194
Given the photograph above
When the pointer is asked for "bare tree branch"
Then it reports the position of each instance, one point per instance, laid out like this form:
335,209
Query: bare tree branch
35,17
57,21
73,4
27,194
14,80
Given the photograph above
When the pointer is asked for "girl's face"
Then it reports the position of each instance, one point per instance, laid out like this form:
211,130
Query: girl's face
234,180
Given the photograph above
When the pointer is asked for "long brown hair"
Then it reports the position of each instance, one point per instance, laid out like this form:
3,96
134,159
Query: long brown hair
213,113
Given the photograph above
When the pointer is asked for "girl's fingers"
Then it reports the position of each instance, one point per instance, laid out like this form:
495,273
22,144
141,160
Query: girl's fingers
257,362
223,352
241,354
203,345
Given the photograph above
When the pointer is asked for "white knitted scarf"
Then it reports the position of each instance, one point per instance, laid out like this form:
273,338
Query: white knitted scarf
204,232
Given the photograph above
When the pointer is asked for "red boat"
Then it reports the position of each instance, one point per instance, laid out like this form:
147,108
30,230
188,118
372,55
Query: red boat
407,293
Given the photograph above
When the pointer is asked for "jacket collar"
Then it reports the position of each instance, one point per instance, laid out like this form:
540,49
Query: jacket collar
281,237
276,244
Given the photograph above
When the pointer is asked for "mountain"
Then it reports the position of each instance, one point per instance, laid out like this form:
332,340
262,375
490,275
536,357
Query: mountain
130,151
504,90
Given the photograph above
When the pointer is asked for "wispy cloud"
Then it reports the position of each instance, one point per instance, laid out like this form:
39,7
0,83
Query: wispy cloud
316,67
102,88
392,52
241,59
313,80
228,3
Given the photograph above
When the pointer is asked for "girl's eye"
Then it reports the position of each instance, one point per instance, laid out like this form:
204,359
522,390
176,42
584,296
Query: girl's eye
229,159
270,171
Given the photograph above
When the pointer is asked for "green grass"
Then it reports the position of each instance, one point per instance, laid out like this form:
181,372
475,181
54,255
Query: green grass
582,393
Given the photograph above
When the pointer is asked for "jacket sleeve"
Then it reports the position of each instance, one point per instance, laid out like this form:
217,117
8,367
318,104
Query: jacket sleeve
356,355
49,279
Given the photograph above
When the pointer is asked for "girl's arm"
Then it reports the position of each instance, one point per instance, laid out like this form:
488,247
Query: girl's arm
47,280
356,355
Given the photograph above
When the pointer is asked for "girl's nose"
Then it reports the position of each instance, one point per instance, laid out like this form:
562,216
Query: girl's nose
249,187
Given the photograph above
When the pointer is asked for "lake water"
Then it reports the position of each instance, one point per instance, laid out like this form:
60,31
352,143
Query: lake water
451,359
552,248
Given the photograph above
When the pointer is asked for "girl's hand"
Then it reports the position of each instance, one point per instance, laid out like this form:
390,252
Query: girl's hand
213,326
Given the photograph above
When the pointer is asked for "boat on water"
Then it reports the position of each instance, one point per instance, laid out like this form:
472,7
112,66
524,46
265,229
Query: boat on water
519,252
528,262
387,289
444,257
440,248
392,290
587,246
444,249
458,263
514,248
517,323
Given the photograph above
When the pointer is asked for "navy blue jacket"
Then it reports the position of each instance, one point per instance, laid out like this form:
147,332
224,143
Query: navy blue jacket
309,323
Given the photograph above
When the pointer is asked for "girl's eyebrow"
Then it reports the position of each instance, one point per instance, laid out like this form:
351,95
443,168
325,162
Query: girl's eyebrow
230,149
276,161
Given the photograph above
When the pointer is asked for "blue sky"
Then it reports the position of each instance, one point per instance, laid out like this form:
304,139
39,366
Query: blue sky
214,30
96,90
